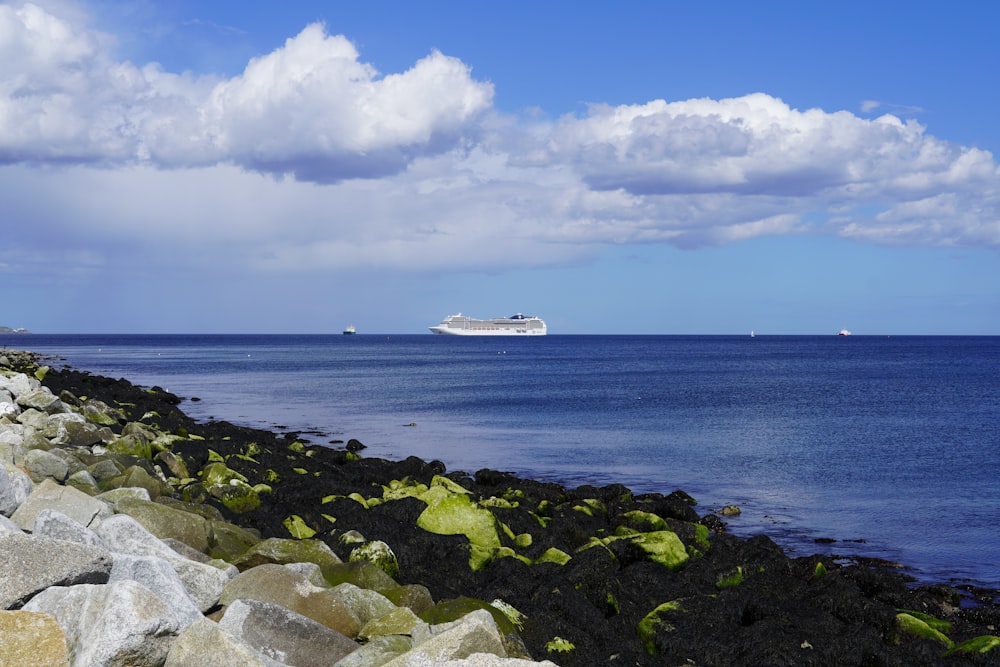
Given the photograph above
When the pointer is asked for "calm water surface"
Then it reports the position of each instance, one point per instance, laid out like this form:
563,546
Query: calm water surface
889,445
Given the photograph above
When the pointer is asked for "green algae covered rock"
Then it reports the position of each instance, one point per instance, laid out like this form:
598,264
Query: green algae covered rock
380,554
456,514
920,625
660,546
361,573
651,621
447,611
238,497
133,445
282,551
229,542
399,621
982,644
167,522
218,473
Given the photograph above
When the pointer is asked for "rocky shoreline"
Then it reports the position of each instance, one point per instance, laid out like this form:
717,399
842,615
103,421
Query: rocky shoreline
134,535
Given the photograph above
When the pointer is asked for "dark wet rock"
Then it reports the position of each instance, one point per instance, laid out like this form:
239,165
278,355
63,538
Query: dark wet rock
584,568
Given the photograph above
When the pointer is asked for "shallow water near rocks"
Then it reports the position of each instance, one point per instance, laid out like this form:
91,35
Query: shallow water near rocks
883,447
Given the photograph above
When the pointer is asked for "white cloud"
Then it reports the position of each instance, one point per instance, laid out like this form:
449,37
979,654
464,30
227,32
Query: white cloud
310,108
312,159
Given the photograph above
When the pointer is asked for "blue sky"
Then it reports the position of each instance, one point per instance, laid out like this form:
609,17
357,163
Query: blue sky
636,167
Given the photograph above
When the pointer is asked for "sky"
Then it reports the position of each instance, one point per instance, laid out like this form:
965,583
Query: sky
614,168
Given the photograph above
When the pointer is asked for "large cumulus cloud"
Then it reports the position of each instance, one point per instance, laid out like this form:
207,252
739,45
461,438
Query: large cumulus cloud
312,158
310,108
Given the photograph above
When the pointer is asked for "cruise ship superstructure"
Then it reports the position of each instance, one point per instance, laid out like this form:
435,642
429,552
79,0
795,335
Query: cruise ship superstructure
515,325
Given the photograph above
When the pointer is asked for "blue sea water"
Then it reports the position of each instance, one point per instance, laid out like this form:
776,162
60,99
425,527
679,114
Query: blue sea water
890,446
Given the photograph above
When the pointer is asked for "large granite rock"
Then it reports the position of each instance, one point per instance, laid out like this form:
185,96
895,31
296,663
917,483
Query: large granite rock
205,643
32,564
203,581
32,638
15,487
161,579
284,635
65,499
112,625
475,633
279,585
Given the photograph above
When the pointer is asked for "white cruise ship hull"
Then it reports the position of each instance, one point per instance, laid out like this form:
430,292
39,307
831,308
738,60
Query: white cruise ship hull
515,325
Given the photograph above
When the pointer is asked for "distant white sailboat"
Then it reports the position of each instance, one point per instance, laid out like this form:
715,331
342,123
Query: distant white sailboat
752,334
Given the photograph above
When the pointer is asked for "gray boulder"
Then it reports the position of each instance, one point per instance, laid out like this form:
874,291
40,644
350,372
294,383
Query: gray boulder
43,465
111,625
203,581
205,643
19,384
15,486
281,586
31,564
377,652
57,526
284,635
157,575
73,503
42,400
476,632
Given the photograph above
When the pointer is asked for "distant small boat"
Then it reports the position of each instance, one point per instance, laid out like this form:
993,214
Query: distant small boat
349,330
844,332
752,334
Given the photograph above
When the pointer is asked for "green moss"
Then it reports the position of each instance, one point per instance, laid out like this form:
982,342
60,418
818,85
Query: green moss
297,447
238,498
932,621
648,625
820,571
981,644
730,579
661,546
379,553
645,520
358,498
41,372
220,474
513,495
543,521
300,471
596,505
215,457
583,509
133,445
298,528
493,501
456,514
559,645
701,534
553,555
452,487
516,618
271,477
402,488
447,611
910,624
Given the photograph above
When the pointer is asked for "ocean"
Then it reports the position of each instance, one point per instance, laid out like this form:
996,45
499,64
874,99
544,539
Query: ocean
883,447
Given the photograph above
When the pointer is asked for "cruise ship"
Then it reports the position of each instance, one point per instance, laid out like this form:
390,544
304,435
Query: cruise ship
515,325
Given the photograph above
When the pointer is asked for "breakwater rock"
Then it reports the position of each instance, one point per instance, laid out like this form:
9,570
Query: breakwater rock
133,535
